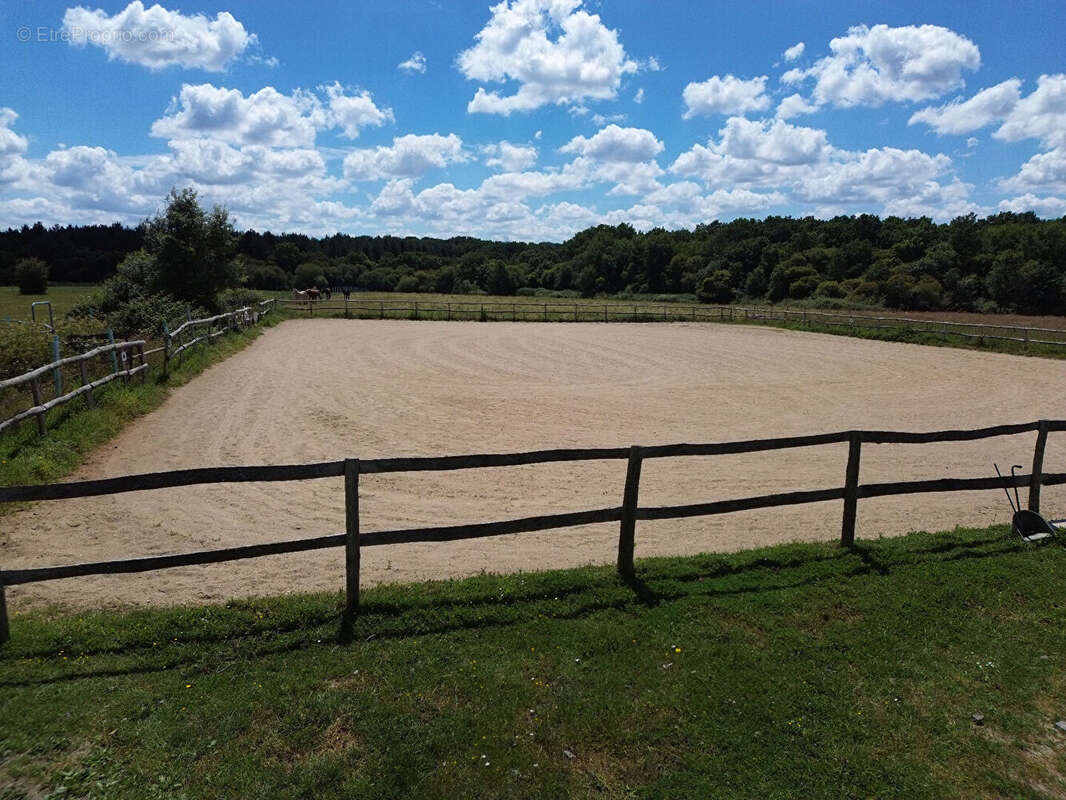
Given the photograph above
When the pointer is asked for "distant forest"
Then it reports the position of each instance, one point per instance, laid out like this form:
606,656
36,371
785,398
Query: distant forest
1007,262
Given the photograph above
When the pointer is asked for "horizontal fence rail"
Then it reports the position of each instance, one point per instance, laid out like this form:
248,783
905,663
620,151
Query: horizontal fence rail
627,514
669,312
123,360
199,331
129,352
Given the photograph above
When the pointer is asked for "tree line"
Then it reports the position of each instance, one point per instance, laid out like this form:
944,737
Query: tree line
1006,262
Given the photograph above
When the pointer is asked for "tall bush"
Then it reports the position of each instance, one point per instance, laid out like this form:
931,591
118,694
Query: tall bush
193,250
31,276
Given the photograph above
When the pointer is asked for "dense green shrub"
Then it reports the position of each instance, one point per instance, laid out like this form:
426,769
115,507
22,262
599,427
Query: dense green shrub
129,312
830,289
716,287
310,275
31,276
22,348
260,275
232,299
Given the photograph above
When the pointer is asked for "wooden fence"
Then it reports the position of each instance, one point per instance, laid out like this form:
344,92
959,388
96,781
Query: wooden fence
627,514
492,311
124,354
199,331
123,362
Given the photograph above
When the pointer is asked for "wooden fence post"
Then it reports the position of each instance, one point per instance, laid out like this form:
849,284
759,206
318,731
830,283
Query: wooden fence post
35,387
627,529
57,373
351,540
114,358
1038,466
851,489
166,348
85,382
5,629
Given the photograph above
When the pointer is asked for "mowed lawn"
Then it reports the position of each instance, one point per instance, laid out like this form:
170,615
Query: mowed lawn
798,671
62,298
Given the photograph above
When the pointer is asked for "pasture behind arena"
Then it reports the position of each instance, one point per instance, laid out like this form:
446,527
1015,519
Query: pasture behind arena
313,390
63,297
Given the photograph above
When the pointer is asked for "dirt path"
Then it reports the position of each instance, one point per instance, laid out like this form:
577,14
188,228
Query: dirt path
312,390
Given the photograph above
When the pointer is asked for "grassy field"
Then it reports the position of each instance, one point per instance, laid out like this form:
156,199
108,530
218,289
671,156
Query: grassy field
62,298
798,671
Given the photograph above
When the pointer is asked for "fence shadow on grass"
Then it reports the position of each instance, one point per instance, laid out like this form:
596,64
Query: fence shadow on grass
576,595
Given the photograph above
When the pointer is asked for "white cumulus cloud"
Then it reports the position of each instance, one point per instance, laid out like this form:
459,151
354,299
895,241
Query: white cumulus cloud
616,144
350,113
416,63
1047,207
509,157
725,95
795,51
800,165
872,66
1041,115
555,50
793,106
1042,172
266,117
11,143
410,156
964,116
774,141
156,38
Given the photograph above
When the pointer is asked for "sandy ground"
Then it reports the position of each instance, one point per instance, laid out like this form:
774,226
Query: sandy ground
312,390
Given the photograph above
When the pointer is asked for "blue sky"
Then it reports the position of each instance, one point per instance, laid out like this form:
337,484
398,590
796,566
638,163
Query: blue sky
530,119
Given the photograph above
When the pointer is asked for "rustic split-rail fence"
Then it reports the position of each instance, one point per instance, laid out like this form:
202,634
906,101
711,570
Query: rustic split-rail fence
125,354
115,360
557,311
200,331
627,514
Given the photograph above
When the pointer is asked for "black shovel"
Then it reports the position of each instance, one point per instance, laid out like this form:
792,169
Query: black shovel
1028,525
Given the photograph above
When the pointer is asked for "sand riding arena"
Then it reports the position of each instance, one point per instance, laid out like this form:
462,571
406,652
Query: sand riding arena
323,389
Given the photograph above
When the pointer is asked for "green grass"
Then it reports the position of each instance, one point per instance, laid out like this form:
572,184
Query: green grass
75,429
62,297
796,671
928,338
